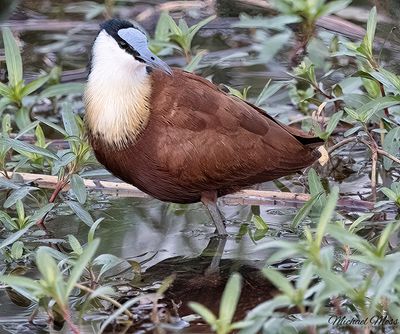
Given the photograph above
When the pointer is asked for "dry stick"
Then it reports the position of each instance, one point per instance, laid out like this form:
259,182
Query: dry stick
374,151
386,110
109,299
373,173
388,155
341,143
244,197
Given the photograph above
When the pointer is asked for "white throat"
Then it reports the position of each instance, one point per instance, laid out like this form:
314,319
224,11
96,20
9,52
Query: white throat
117,94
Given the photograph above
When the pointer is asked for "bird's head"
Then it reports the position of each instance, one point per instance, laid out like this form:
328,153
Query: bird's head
120,39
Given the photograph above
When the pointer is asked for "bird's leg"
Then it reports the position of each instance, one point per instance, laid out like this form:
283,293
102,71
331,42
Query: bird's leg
209,199
216,259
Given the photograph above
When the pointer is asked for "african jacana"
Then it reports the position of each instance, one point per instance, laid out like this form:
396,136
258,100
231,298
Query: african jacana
173,134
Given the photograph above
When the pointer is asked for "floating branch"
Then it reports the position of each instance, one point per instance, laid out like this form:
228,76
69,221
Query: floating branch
244,197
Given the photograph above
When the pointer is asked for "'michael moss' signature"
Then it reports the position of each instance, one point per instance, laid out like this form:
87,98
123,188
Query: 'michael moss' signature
352,321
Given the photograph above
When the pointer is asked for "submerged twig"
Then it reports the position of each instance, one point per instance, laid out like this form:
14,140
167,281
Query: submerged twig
388,155
243,197
109,299
341,143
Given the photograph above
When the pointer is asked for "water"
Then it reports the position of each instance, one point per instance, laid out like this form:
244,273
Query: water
161,238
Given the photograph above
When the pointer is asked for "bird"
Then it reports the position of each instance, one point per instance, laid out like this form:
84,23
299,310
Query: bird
175,135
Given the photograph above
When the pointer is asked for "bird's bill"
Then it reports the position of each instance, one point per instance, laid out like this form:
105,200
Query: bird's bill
152,60
138,42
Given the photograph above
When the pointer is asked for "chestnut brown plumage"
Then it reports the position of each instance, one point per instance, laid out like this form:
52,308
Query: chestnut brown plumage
196,142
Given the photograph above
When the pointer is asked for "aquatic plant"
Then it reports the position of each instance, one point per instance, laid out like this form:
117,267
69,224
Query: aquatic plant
339,268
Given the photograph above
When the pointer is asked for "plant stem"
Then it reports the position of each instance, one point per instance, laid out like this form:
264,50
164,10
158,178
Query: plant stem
67,318
4,172
59,187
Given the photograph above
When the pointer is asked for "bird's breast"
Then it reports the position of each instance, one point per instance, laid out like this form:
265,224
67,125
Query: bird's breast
117,104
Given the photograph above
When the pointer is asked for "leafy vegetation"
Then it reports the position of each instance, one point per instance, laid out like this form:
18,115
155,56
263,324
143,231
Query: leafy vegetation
345,262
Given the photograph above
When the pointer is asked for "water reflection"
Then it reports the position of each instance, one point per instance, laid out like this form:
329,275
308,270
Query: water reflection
151,231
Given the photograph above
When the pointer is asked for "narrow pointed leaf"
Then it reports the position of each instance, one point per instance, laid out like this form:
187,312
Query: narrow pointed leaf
230,298
34,85
63,89
13,58
80,264
78,188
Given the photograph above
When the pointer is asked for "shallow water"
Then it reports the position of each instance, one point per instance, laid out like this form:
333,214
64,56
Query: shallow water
166,238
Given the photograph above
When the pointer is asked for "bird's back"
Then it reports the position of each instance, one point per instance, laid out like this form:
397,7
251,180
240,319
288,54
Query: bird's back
198,138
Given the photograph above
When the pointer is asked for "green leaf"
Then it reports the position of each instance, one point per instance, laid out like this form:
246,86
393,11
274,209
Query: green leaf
78,188
5,90
193,30
7,184
75,244
40,138
80,264
48,268
391,144
22,117
371,28
34,85
20,209
69,121
39,214
6,219
27,129
17,250
15,236
333,122
17,195
316,187
52,125
333,7
359,220
326,214
194,63
21,282
268,91
386,283
280,281
259,223
22,147
81,212
305,210
390,80
353,114
371,108
93,229
389,193
162,30
383,241
230,298
63,89
204,312
272,45
13,58
279,22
